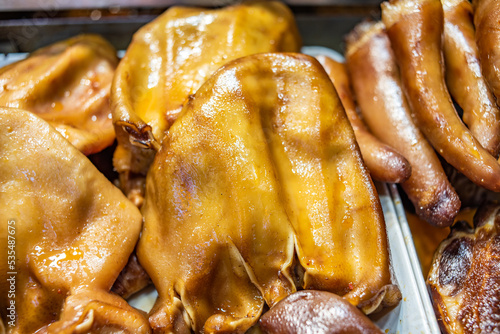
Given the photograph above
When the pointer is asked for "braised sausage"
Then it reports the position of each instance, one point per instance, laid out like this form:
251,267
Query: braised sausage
486,21
463,75
415,28
377,84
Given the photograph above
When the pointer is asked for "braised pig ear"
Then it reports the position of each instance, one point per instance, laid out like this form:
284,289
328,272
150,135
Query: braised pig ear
68,85
73,232
171,57
263,141
327,191
463,280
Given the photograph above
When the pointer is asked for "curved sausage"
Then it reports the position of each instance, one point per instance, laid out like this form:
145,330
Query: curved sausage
377,84
415,29
463,75
486,18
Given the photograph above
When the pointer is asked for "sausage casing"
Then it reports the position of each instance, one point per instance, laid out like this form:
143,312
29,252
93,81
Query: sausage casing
463,75
415,29
377,84
486,18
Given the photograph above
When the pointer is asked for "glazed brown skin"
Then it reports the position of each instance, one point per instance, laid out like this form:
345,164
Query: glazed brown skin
261,163
132,279
463,281
68,85
170,58
311,311
486,18
464,78
376,81
383,162
74,232
415,29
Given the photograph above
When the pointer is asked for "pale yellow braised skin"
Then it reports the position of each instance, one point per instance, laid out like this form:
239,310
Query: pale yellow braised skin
171,57
384,163
65,234
68,85
261,163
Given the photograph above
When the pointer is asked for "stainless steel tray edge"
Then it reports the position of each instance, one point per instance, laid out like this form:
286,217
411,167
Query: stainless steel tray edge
414,261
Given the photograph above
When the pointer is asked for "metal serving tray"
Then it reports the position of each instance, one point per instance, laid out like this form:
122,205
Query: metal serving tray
414,314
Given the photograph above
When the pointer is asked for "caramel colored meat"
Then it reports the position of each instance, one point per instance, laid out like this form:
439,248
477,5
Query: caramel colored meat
262,159
65,231
376,81
486,21
384,163
464,78
171,57
68,85
311,311
132,279
464,281
415,30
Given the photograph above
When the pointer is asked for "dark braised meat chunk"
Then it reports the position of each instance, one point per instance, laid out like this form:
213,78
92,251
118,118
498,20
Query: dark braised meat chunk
311,311
464,280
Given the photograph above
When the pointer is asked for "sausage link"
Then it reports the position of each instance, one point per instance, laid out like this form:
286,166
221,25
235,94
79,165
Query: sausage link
415,28
463,75
376,82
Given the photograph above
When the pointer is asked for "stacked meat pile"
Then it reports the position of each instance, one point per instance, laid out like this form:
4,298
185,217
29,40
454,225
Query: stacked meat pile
244,171
407,71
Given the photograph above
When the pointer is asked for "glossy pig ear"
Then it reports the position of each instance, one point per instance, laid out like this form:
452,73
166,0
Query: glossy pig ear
68,85
77,230
171,57
261,159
